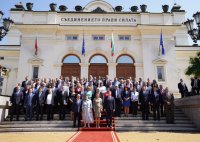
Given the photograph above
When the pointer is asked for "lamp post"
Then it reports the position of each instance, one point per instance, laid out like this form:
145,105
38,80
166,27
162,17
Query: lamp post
193,32
6,24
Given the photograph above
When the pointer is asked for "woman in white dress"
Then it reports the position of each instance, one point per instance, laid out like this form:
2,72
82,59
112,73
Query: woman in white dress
87,111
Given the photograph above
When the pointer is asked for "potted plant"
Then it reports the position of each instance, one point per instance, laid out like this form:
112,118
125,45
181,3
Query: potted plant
78,8
53,6
29,6
143,7
165,8
118,8
62,8
134,8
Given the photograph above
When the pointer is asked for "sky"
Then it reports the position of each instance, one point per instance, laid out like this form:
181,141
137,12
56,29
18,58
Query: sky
190,6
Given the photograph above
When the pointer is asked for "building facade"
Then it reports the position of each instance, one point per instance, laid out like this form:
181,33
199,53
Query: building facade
62,35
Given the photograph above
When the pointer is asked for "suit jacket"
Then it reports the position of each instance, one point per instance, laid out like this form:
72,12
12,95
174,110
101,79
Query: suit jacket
16,97
109,103
63,97
119,93
31,99
40,99
155,99
76,107
144,98
182,88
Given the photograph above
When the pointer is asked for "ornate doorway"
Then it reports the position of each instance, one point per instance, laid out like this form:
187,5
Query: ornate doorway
125,67
98,66
71,66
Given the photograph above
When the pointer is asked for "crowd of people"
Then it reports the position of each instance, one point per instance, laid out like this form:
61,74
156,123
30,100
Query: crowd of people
86,99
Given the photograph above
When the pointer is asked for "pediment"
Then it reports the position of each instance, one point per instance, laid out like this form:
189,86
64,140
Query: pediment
36,61
99,6
159,61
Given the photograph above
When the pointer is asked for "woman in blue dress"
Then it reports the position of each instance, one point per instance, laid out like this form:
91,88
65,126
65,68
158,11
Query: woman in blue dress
126,101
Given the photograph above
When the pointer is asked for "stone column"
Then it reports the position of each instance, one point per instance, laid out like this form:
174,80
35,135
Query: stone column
84,69
112,70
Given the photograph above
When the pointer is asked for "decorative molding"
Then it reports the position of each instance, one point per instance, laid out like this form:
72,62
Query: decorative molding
159,61
36,61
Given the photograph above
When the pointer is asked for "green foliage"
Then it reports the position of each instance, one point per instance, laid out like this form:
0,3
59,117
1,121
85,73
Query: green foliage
194,67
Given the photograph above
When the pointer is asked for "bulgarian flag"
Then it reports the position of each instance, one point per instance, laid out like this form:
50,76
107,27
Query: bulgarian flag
112,45
36,46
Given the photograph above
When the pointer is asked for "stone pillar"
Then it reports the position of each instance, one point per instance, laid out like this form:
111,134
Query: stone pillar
111,70
84,69
139,70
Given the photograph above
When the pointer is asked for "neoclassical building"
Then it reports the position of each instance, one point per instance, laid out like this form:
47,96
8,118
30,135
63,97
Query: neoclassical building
60,36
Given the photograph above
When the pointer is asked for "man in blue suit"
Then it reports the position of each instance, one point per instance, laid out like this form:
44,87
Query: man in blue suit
29,104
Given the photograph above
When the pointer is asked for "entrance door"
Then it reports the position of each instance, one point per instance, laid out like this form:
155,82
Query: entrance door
71,67
125,71
98,66
69,70
97,70
125,67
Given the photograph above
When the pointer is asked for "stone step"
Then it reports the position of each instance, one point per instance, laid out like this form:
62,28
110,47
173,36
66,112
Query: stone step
150,118
37,122
48,129
68,125
44,115
181,129
152,121
153,125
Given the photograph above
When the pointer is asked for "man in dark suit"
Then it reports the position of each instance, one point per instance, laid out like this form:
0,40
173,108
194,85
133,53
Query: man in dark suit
155,99
25,82
144,99
182,88
195,83
40,101
117,94
63,97
76,109
29,104
49,100
16,100
109,108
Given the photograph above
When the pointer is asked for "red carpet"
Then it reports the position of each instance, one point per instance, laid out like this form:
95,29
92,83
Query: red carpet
96,136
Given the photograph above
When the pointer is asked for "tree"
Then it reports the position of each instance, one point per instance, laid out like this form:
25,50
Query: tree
194,67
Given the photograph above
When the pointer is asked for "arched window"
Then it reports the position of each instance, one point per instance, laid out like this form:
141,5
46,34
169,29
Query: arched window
125,59
70,59
98,59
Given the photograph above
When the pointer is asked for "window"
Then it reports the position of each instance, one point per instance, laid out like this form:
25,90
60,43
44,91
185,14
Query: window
35,72
71,37
71,59
124,37
98,37
98,59
125,59
160,73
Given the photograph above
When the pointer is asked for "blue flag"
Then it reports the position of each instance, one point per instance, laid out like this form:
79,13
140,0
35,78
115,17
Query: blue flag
83,45
161,44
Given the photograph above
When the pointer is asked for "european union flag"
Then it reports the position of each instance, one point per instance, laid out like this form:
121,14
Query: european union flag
83,45
161,44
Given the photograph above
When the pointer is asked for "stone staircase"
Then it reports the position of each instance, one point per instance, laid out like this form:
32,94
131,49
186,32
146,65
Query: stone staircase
37,126
182,123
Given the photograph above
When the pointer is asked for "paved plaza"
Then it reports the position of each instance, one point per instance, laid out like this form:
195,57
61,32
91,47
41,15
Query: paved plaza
123,136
